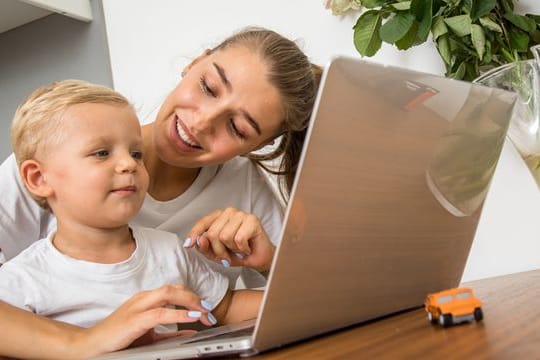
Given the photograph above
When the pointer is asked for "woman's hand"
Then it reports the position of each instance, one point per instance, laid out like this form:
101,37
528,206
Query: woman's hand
134,321
232,237
131,323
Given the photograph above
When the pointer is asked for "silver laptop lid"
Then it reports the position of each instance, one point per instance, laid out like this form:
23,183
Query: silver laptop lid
388,198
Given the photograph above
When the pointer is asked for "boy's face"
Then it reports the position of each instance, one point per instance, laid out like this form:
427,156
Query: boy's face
96,173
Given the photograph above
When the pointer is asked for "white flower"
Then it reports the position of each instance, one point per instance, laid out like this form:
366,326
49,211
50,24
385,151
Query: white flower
340,7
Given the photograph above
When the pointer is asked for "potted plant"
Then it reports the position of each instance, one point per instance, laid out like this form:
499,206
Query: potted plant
471,36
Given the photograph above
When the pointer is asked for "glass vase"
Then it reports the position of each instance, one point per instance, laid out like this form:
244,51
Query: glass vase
522,77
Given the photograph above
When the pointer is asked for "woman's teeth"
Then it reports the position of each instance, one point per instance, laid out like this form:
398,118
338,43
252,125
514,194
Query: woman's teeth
184,136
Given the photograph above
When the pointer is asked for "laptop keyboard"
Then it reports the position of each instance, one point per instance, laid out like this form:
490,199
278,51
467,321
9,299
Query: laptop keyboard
218,334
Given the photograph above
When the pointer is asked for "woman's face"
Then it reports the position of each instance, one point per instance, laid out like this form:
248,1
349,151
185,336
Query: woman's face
223,107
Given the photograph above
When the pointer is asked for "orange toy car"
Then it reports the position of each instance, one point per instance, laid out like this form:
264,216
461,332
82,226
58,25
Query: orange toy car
453,306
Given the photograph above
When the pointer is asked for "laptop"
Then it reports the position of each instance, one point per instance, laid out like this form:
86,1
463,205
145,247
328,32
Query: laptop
390,188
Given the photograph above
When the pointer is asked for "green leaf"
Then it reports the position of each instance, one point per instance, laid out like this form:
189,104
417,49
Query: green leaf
471,70
397,27
402,5
490,24
535,37
425,22
460,72
507,55
507,5
467,5
522,22
370,4
478,39
487,55
417,8
444,49
408,40
519,40
438,8
481,8
366,33
536,18
460,48
460,25
438,27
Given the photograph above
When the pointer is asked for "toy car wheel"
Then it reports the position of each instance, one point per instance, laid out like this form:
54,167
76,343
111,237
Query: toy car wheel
431,318
445,320
478,314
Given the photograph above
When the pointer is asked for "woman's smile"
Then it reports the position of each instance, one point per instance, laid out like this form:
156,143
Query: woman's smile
184,136
181,136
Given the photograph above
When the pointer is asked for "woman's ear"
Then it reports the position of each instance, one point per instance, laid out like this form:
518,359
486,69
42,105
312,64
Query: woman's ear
194,61
34,179
265,143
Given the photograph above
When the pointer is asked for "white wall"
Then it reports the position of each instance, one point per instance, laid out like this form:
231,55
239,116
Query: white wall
150,42
51,48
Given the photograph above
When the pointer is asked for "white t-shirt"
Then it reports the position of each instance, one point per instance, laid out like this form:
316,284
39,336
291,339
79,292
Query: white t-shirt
44,281
237,183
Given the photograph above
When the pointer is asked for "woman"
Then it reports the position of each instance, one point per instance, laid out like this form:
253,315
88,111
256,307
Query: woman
251,89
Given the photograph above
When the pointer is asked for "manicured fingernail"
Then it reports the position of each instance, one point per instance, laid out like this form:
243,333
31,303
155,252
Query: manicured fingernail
197,241
187,242
205,304
194,314
239,255
212,319
225,263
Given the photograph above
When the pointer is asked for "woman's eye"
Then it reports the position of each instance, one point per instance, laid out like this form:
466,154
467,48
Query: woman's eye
138,155
101,153
205,88
236,131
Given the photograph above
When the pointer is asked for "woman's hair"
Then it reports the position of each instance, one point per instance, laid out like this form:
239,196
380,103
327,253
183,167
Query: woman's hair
297,81
37,120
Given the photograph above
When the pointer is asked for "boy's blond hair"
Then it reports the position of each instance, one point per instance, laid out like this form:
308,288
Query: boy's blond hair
37,120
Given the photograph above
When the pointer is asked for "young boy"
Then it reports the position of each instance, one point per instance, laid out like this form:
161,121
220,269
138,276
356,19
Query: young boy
79,151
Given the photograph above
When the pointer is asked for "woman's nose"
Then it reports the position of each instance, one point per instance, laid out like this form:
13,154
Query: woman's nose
203,124
207,119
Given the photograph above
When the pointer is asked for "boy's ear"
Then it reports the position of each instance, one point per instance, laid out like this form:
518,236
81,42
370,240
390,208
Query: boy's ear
194,61
33,177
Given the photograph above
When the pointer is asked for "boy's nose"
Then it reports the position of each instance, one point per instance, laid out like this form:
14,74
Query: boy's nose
126,164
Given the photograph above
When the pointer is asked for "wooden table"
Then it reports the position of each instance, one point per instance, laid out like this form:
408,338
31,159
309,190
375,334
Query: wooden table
510,330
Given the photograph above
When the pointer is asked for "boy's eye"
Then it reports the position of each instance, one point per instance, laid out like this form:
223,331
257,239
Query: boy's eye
136,154
101,153
205,88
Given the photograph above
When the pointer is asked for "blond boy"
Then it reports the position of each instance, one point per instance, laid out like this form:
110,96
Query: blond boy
80,154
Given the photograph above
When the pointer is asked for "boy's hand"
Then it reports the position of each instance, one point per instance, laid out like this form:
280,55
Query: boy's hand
232,237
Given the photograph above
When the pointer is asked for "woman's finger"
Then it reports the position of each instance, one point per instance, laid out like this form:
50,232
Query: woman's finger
250,230
143,312
219,251
203,246
203,224
164,315
229,231
167,294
